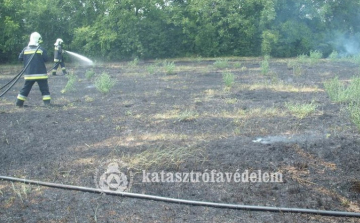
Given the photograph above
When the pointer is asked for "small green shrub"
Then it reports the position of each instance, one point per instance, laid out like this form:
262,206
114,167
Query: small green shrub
238,64
70,85
89,74
134,62
315,56
295,66
221,63
104,83
333,56
339,92
187,116
335,89
301,110
302,58
354,111
169,67
297,70
264,66
151,69
228,79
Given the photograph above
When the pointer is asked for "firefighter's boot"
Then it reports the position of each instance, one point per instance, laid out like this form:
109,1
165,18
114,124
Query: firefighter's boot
47,103
19,103
64,70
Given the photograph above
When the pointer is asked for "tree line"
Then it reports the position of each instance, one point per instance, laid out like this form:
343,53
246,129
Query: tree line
112,30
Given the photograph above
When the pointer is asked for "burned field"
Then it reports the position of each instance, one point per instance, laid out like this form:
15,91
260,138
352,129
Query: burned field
229,116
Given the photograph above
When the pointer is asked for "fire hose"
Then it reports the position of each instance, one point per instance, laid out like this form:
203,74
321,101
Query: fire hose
183,201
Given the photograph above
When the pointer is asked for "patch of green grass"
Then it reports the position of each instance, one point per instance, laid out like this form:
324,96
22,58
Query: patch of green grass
302,58
314,57
264,65
231,101
333,56
70,85
21,192
339,92
151,69
335,89
221,63
301,110
169,67
163,157
354,110
187,116
228,79
295,66
128,113
88,98
297,70
237,64
134,62
355,59
89,74
104,83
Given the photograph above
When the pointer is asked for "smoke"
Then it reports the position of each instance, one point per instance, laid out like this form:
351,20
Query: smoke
351,47
347,45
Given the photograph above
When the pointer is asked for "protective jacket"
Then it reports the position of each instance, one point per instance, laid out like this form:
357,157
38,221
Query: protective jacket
37,69
58,53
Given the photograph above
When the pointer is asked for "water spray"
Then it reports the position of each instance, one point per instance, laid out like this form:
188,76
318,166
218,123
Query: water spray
84,60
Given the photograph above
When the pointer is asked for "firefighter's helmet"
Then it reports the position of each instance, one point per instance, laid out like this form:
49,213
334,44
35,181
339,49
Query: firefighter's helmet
35,39
58,42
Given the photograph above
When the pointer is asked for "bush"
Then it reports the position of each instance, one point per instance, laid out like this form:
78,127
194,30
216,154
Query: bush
302,58
333,56
265,65
301,110
134,62
151,69
315,56
169,67
70,85
228,79
104,83
353,108
338,92
89,74
221,63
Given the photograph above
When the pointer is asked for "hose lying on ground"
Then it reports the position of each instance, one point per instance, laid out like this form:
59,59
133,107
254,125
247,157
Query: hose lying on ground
182,201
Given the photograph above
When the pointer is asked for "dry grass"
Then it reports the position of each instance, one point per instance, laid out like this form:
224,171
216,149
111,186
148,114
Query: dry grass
280,86
163,157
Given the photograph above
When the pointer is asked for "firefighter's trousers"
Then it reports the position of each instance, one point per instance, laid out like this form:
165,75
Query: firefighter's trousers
24,92
63,68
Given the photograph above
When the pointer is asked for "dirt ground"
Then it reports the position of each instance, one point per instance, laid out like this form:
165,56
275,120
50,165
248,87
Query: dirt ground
184,120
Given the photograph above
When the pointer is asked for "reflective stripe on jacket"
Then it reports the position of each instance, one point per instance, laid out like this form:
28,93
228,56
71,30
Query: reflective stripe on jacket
36,69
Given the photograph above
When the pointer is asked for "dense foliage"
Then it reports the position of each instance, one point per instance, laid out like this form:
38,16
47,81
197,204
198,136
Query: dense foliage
126,29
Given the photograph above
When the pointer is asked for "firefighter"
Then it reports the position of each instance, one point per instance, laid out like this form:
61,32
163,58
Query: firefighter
58,57
36,70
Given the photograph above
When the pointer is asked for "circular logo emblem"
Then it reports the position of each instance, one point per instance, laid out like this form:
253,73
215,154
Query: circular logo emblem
113,175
